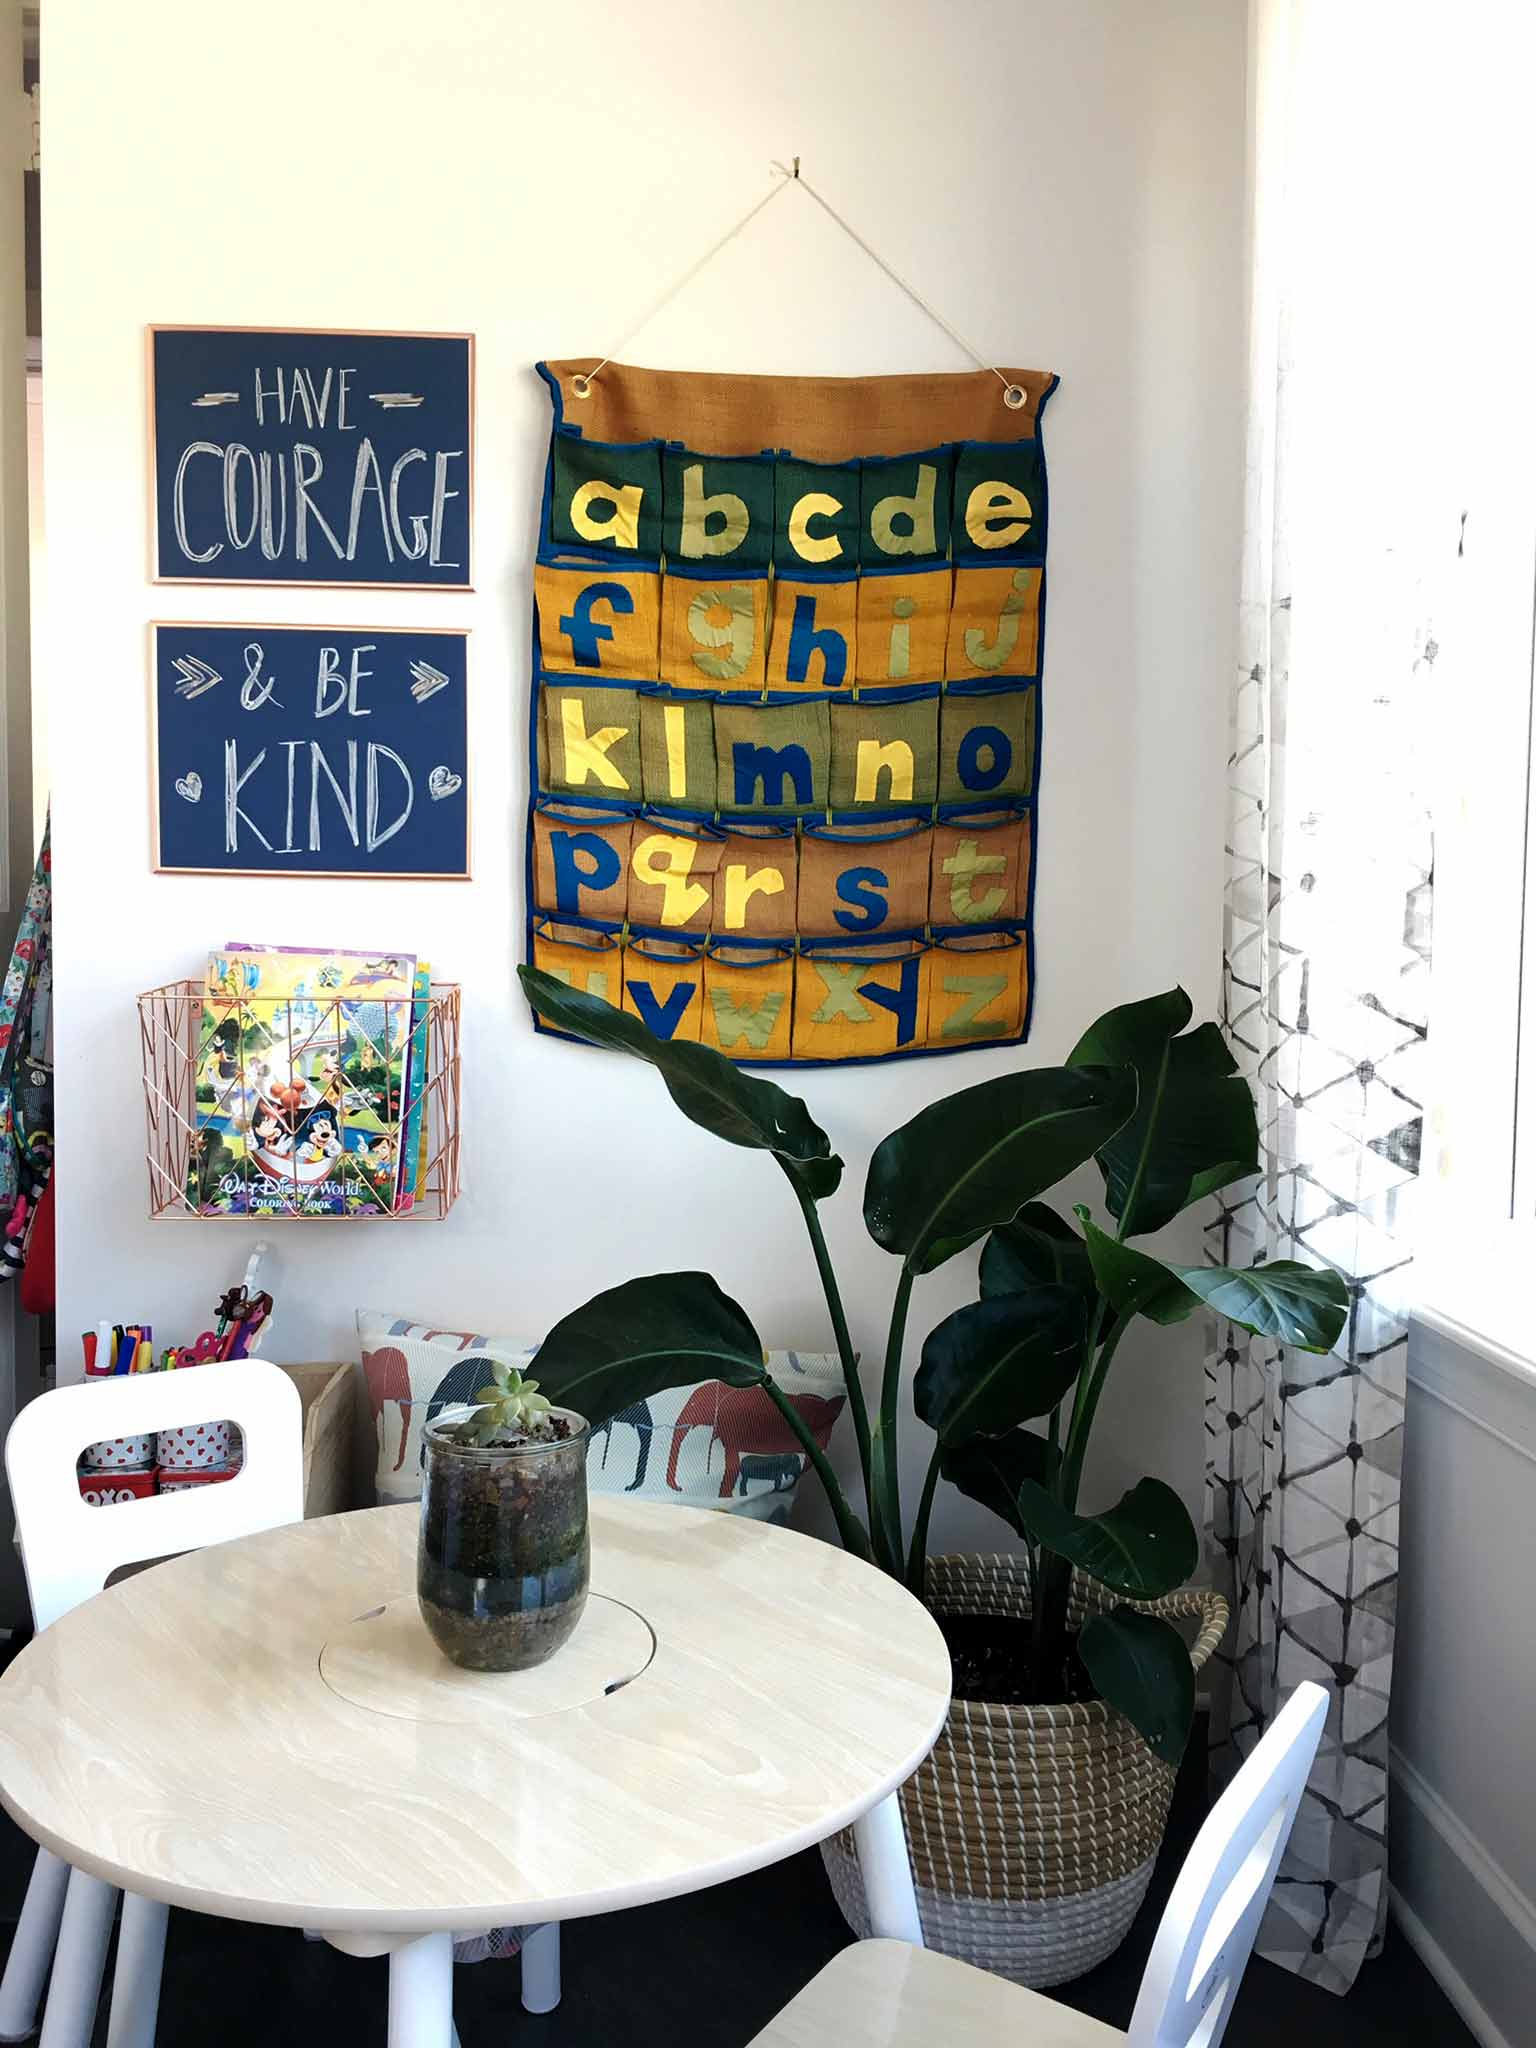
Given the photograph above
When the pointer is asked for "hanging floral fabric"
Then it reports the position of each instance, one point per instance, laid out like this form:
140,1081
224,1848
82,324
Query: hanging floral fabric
26,1075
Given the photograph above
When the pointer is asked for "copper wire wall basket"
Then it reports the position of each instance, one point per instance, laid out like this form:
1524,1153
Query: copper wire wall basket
332,1149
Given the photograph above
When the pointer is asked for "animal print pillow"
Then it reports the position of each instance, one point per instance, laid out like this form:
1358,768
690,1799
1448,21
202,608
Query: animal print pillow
707,1446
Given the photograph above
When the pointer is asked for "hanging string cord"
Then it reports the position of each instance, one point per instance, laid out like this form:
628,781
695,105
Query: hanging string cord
1014,396
582,385
1011,393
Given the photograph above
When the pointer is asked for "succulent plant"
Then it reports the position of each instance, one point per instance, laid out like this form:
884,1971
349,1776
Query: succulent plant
508,1405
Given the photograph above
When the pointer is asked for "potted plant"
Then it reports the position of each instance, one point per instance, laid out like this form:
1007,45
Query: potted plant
1035,1823
503,1555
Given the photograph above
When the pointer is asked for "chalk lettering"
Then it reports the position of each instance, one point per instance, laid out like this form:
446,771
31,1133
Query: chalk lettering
234,782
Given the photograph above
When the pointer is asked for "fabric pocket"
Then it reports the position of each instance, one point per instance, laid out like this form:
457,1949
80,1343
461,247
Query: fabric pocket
748,1000
976,987
858,1002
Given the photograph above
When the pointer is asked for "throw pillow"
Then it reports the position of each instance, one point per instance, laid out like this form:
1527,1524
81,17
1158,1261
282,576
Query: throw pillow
705,1446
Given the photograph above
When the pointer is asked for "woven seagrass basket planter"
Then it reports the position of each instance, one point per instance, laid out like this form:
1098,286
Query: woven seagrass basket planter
1033,1830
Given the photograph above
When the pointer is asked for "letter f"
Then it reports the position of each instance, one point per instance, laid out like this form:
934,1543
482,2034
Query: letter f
585,633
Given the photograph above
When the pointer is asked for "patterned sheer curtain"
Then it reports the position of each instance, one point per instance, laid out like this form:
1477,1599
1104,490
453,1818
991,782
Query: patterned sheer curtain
1326,966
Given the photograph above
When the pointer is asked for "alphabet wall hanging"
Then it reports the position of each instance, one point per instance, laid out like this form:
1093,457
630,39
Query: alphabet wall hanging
785,718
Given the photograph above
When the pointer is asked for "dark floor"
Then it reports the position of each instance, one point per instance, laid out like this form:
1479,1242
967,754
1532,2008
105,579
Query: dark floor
702,1972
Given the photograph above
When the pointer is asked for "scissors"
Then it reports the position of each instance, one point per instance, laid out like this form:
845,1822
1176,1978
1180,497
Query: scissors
206,1348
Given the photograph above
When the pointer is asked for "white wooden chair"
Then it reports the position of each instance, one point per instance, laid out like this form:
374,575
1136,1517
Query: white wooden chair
69,1550
885,1994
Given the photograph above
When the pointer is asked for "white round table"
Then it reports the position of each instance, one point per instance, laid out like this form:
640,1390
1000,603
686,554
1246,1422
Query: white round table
264,1730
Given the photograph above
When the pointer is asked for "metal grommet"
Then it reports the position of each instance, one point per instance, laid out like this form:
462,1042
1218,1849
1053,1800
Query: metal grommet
1014,395
581,387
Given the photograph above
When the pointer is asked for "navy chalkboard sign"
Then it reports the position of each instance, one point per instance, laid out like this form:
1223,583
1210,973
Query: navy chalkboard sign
310,750
311,457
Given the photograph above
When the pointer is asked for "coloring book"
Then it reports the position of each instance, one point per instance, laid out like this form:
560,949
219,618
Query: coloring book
303,1073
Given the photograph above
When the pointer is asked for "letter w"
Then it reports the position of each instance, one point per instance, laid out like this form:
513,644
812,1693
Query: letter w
750,1021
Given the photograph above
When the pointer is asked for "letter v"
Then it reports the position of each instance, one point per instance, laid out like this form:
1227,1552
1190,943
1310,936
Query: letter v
662,1018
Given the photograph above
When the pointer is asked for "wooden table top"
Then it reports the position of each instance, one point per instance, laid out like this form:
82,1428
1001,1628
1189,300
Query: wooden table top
264,1729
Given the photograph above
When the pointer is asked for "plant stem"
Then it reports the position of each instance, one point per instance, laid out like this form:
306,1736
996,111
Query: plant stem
849,1527
1082,1417
917,1556
1079,1400
858,1407
1128,1206
886,1516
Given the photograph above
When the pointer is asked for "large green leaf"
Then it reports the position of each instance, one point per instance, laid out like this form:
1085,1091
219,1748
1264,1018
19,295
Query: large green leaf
1129,1279
1304,1306
636,1340
1140,1664
1144,1546
1194,1118
741,1108
991,1469
994,1364
966,1164
1037,1245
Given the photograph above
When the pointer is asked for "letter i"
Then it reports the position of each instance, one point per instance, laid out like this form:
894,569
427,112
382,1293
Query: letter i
900,662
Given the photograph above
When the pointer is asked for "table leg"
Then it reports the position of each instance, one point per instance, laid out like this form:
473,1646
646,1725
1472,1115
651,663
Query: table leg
26,1967
421,1993
541,1968
887,1873
136,1974
75,1986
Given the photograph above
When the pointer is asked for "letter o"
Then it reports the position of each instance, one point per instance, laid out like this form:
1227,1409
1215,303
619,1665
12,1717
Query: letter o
232,455
996,745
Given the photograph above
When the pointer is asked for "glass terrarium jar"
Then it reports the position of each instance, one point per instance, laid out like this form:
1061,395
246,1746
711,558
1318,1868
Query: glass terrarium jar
503,1559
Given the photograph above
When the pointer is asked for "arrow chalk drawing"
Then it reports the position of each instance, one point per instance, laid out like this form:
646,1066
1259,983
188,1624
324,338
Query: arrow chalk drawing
196,676
426,681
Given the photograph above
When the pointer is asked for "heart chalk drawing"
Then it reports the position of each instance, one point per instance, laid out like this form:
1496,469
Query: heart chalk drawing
190,785
440,783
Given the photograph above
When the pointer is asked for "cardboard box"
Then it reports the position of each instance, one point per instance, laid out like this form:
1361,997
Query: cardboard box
326,1390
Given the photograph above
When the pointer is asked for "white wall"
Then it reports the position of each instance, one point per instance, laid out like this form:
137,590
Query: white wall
1463,1797
1066,184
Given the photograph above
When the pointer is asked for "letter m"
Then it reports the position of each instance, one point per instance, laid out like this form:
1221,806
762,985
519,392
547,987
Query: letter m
769,769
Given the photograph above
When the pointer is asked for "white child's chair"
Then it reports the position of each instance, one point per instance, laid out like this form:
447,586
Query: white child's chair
69,1550
883,1994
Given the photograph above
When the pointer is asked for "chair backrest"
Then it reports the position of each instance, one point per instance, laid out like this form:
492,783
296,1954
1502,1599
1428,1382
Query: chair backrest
1207,1931
70,1548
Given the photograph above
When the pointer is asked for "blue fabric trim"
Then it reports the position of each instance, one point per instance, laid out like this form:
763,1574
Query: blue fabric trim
920,565
808,572
570,554
889,946
991,686
692,572
1008,927
984,816
907,823
551,804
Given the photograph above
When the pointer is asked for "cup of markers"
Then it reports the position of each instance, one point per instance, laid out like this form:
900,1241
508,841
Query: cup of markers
169,1460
